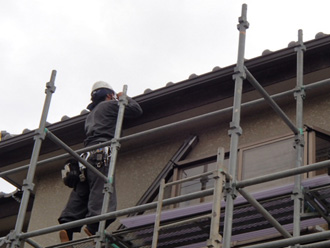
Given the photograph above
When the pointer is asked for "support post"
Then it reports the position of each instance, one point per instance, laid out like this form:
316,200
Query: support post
28,182
114,147
297,194
158,214
219,178
235,129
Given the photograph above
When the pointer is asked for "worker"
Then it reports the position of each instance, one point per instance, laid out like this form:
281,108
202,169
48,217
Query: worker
87,196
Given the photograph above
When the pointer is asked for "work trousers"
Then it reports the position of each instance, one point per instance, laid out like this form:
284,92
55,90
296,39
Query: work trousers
86,200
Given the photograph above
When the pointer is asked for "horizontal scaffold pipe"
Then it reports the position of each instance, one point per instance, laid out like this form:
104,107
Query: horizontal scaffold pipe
169,126
308,238
116,214
322,244
282,174
270,101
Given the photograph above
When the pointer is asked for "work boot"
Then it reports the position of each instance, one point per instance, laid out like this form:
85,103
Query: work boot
64,237
87,231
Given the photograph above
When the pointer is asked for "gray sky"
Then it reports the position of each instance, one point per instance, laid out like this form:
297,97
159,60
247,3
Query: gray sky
144,44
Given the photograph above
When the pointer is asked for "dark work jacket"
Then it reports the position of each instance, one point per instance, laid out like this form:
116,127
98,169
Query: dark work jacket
100,123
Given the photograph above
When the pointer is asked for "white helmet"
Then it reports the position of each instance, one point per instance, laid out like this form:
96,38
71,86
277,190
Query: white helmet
101,84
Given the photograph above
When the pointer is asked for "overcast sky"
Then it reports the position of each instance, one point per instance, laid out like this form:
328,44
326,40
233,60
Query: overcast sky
141,43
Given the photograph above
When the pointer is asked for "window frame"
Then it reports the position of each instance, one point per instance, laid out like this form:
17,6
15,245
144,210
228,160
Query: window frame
267,142
313,132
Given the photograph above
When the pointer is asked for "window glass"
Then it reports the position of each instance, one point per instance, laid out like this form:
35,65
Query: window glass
266,159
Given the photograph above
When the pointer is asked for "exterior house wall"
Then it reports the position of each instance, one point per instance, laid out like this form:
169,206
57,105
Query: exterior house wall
138,167
140,164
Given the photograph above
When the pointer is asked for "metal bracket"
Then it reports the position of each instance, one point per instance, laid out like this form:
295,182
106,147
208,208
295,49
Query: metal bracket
299,91
299,141
39,134
297,194
50,87
222,172
234,129
242,22
214,242
13,239
115,144
27,185
300,46
230,190
239,72
108,188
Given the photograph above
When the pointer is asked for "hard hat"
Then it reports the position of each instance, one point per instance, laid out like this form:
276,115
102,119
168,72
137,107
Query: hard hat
101,84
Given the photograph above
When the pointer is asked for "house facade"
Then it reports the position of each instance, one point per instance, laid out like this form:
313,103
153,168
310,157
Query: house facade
188,148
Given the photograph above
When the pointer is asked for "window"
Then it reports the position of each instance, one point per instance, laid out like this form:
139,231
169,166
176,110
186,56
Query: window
266,158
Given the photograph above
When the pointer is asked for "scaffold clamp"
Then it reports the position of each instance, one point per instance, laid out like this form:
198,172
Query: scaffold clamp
50,87
242,23
299,139
108,187
214,242
13,239
115,144
27,185
230,189
239,72
234,129
40,134
300,91
242,19
296,193
300,46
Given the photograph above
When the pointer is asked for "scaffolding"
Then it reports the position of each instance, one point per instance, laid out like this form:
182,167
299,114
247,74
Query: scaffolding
225,182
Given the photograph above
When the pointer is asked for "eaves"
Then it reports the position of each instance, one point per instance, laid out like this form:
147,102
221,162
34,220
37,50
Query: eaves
188,94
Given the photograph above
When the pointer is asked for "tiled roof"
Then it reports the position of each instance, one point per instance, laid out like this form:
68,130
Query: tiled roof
5,135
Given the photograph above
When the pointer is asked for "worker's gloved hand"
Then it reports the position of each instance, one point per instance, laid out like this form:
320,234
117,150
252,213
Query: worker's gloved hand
70,173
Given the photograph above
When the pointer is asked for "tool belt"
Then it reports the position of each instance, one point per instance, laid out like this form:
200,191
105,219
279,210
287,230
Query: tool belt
74,171
99,157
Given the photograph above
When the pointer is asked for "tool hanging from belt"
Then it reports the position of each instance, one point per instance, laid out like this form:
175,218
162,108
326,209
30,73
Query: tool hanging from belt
99,157
74,171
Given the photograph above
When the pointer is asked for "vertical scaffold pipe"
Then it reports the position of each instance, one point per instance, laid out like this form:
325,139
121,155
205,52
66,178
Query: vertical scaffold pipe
219,176
28,182
235,130
299,139
109,187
